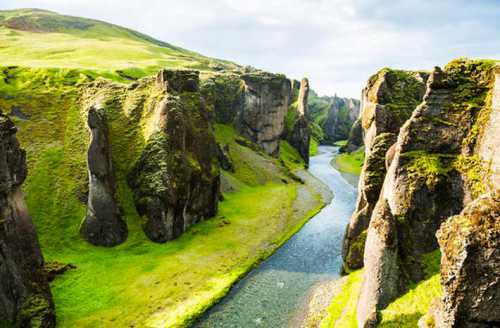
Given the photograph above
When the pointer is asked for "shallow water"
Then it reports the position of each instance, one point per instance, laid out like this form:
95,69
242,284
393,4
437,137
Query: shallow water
270,295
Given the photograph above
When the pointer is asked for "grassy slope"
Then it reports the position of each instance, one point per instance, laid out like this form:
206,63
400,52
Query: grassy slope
404,312
35,38
350,162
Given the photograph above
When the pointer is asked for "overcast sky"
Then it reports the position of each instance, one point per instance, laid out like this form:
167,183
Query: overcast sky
338,44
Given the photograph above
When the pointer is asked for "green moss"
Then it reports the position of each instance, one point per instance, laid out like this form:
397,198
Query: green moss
290,156
410,307
34,310
342,309
350,162
428,167
358,245
474,170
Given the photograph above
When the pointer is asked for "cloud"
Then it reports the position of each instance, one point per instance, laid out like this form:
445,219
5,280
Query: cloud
338,44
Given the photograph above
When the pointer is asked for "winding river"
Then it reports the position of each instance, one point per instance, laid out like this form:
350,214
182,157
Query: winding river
271,294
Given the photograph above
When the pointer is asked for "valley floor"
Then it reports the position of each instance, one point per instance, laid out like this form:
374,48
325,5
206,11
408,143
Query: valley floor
144,284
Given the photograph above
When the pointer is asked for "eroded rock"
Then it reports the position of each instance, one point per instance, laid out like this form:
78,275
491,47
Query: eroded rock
300,135
25,298
103,224
176,179
388,101
427,181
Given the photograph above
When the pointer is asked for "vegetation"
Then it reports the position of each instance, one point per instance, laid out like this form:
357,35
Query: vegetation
71,42
342,309
410,307
138,282
350,162
313,147
401,313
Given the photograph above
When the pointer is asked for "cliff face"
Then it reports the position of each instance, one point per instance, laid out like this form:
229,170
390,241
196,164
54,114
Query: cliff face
262,120
341,116
434,172
388,100
168,156
265,108
176,179
334,116
298,132
25,298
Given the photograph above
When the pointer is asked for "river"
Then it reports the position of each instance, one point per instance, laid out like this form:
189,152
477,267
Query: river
271,294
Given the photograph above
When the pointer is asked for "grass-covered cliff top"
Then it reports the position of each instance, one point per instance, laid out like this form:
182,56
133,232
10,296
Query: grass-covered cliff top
39,38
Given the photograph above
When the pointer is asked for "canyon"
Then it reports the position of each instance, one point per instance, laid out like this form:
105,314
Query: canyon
152,189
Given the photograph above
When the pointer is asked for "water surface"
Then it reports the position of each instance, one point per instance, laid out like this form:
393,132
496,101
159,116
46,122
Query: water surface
269,296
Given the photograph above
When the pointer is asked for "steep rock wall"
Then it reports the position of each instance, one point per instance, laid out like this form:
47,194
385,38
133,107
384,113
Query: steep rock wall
388,101
262,120
176,179
432,173
25,298
299,134
341,116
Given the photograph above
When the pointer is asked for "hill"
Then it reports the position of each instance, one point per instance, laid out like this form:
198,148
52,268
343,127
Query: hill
74,42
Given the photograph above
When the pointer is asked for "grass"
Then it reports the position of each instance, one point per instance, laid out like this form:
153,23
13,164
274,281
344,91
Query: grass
351,162
410,307
313,147
342,309
401,313
138,283
71,42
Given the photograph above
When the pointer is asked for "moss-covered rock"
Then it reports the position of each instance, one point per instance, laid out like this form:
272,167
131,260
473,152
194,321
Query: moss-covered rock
176,179
25,297
470,266
298,132
423,185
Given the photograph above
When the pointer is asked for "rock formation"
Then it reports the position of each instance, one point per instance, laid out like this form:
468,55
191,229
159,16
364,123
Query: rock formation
341,116
470,266
437,168
176,179
355,139
388,100
103,224
25,298
299,135
262,120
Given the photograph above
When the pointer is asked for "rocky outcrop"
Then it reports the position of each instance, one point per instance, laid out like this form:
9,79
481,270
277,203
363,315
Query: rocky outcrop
341,116
355,139
299,135
176,179
262,120
388,100
103,224
434,172
470,242
470,266
25,298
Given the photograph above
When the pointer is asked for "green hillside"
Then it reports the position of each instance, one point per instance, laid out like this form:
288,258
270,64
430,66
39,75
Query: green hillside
40,38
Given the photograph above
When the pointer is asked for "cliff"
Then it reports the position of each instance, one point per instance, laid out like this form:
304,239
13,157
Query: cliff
263,107
431,177
335,116
388,101
25,297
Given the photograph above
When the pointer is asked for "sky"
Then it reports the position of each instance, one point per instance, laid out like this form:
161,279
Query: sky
337,44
